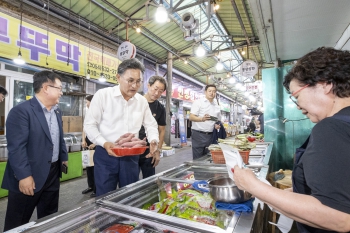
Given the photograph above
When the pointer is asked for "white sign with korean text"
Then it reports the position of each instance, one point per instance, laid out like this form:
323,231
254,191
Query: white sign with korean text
249,68
126,50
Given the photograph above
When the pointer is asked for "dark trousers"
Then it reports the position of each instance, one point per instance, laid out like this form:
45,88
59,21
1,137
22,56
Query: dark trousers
146,165
111,171
200,142
91,178
20,207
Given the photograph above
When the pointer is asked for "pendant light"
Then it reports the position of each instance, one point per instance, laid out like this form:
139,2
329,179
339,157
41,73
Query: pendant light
219,65
200,51
161,13
19,60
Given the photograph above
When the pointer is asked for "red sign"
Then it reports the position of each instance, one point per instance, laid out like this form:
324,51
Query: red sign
252,87
184,94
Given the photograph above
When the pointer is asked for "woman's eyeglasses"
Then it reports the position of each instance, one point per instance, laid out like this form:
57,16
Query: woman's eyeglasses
292,96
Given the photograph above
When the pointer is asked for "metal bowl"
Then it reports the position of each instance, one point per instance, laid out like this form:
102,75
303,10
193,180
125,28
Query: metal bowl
224,189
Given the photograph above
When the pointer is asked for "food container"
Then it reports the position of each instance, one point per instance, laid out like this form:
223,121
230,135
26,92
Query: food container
224,189
221,188
68,140
122,151
3,153
218,156
75,145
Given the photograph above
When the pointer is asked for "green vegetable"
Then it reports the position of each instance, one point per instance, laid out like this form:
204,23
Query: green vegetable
146,206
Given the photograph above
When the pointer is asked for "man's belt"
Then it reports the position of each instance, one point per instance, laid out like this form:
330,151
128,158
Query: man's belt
202,131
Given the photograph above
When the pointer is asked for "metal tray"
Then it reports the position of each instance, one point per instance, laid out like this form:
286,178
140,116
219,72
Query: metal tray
97,219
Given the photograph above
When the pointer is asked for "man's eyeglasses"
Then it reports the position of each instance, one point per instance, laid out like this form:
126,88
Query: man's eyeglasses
132,82
292,96
58,88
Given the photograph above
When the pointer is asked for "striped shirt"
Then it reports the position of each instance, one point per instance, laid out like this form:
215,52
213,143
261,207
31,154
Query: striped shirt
52,123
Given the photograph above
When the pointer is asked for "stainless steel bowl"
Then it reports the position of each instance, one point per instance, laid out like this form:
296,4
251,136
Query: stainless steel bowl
224,189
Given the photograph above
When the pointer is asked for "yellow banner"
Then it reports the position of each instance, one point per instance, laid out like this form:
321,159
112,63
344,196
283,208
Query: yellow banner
53,51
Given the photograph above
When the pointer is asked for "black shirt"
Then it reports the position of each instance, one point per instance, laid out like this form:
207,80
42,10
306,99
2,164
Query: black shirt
252,127
158,112
261,122
324,168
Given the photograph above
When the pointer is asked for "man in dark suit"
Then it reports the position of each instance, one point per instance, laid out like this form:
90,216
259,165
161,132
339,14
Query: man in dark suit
36,152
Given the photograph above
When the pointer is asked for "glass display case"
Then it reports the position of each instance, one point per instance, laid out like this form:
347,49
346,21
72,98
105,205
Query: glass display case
129,207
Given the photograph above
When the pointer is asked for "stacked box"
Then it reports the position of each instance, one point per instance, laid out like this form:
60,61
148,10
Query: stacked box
169,152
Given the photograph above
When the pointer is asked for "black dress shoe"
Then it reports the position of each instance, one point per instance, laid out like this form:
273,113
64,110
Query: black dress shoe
87,191
93,194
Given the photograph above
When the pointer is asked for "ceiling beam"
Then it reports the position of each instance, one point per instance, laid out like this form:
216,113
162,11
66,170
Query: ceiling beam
251,27
234,5
148,34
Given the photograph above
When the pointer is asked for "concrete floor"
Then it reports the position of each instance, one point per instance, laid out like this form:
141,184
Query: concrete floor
70,191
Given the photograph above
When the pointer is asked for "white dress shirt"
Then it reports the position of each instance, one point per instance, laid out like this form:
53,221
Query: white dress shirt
110,116
201,107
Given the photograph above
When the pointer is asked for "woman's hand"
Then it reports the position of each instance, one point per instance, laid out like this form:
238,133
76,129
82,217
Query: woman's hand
244,178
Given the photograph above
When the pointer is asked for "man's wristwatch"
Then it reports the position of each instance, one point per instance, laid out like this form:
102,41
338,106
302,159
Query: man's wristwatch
160,150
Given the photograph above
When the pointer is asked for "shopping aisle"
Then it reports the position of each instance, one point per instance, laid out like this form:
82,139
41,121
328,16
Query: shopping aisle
70,192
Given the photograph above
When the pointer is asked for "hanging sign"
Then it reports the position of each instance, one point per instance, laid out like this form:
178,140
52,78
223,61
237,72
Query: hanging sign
126,50
53,51
182,93
95,67
252,87
249,68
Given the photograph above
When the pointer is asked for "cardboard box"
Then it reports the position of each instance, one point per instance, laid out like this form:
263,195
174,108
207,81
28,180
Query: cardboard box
169,152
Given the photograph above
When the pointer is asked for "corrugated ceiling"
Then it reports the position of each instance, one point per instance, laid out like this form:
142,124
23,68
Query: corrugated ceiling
228,28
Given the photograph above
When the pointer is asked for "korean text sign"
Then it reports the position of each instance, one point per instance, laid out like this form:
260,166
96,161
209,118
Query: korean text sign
53,51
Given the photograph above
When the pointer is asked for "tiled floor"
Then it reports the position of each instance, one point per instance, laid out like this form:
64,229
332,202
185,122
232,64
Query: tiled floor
70,191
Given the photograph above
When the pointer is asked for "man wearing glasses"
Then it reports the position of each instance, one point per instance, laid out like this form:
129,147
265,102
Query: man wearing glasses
115,111
156,86
36,152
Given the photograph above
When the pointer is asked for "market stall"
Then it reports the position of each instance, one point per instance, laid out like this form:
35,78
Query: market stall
125,207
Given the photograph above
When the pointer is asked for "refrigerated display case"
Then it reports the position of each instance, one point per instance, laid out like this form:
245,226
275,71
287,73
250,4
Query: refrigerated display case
125,205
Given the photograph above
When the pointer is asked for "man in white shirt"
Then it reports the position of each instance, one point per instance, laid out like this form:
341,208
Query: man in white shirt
115,111
202,112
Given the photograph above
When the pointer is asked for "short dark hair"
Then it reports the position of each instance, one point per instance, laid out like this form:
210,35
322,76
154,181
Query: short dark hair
132,63
42,77
155,78
3,90
210,85
323,65
89,97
